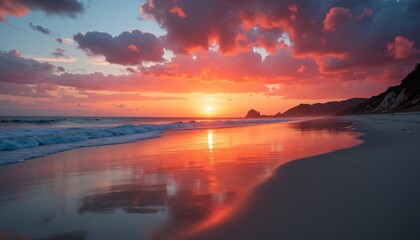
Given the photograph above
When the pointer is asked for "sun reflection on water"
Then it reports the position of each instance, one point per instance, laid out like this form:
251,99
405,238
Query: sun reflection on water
210,140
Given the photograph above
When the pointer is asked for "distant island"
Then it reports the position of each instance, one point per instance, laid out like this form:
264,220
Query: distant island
402,98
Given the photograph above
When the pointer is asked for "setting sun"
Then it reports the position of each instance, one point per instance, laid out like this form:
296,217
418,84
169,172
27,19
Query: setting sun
209,109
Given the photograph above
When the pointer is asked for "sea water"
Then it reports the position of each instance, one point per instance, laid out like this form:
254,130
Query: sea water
23,138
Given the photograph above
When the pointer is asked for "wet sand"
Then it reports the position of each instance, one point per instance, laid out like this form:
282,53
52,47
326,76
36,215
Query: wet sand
370,191
157,188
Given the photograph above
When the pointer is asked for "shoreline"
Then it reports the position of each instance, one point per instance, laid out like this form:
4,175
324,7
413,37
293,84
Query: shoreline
18,145
369,191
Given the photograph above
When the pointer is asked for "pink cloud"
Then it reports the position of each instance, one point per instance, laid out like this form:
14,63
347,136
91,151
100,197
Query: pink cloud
335,17
401,48
293,9
12,8
242,67
366,13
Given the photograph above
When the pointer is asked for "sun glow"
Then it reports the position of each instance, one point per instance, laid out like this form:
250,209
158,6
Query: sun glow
209,109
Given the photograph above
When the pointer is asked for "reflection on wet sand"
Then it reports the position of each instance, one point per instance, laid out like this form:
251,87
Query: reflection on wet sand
324,124
131,198
155,188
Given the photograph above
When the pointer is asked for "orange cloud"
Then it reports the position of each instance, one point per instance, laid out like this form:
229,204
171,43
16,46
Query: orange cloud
10,7
178,11
19,8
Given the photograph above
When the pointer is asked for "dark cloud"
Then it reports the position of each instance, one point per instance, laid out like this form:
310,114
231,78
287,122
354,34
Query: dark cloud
130,70
342,35
16,69
9,103
40,29
59,53
38,91
19,8
59,40
119,105
129,48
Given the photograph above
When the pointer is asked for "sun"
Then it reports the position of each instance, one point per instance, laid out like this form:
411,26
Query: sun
209,109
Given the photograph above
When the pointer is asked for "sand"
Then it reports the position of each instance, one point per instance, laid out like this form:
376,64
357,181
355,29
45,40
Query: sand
371,191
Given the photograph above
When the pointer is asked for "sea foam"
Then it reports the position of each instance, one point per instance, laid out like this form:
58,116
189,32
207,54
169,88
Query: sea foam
18,145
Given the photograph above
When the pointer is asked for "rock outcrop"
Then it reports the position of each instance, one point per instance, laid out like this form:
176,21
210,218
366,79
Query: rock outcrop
253,114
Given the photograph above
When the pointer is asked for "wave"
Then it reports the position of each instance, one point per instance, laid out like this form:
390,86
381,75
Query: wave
18,145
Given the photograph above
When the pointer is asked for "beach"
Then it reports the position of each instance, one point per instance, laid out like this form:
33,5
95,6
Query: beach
369,191
353,177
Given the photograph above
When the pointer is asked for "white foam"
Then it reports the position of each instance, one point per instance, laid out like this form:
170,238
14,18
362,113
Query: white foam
17,145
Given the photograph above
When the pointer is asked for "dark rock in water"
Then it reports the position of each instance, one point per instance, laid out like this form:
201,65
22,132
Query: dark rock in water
322,109
402,98
253,114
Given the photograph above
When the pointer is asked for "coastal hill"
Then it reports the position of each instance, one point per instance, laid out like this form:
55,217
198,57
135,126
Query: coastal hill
322,109
402,98
311,110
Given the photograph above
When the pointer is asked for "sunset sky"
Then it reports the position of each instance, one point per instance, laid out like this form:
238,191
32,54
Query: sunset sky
199,57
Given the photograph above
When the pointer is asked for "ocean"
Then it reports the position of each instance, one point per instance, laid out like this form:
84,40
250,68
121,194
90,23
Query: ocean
23,138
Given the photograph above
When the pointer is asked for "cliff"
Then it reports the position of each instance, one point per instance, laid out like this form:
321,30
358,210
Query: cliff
402,98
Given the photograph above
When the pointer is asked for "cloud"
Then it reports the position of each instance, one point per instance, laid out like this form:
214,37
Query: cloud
335,17
355,33
366,13
9,102
19,8
11,7
130,70
59,40
242,67
401,48
40,29
59,53
55,59
16,69
129,48
141,83
208,72
37,91
119,105
178,11
93,97
330,90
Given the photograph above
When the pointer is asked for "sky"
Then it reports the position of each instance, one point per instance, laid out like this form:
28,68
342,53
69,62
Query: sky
199,58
